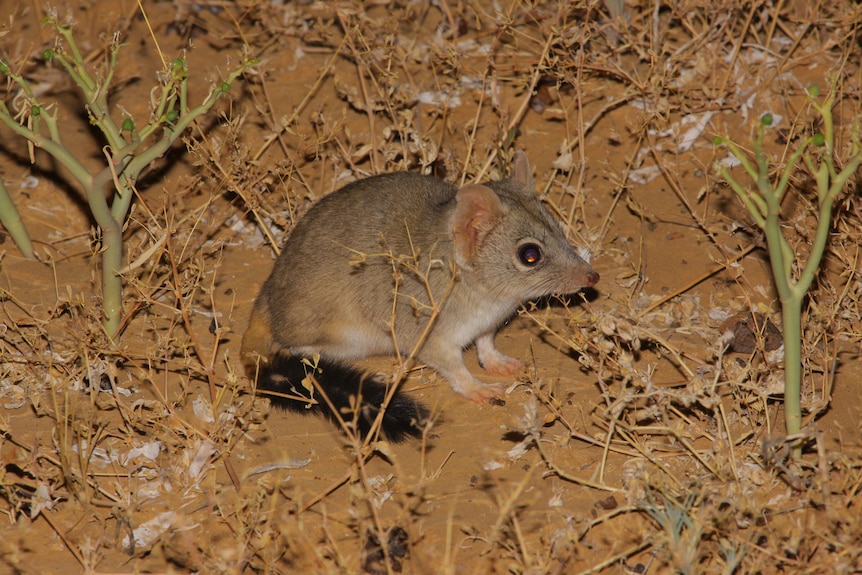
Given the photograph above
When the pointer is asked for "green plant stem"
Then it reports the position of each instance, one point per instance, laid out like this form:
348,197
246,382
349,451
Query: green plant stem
127,159
791,323
11,220
112,282
51,145
765,207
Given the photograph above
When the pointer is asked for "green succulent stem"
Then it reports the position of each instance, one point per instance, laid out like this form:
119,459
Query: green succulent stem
764,205
11,220
127,156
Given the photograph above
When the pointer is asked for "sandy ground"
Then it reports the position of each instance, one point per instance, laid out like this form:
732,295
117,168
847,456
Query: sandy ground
629,444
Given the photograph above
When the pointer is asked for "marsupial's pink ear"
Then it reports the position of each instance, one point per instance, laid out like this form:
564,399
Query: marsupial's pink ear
478,211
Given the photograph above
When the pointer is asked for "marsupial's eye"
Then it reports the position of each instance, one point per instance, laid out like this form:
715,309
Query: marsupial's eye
530,254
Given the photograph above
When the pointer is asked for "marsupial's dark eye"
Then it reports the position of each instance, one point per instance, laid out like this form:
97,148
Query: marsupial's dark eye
530,254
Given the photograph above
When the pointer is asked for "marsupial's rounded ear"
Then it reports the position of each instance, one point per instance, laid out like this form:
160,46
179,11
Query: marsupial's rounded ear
478,211
522,174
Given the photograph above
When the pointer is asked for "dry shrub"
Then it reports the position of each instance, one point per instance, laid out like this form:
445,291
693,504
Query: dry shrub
676,444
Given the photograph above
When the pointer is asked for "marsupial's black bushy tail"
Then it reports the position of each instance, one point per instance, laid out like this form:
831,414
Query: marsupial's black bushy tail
284,374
